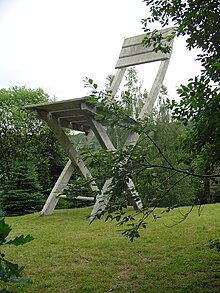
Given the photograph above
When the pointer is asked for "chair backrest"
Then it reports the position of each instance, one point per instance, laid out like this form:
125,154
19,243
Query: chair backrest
134,53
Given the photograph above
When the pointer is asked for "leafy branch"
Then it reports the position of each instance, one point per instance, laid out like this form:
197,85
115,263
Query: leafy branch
133,163
11,272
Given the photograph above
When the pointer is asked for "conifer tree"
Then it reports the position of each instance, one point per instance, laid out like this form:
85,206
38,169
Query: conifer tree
21,191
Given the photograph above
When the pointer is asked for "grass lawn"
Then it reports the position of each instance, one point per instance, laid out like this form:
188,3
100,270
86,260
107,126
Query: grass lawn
69,255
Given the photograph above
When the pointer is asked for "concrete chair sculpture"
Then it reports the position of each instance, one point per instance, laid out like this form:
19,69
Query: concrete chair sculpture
77,114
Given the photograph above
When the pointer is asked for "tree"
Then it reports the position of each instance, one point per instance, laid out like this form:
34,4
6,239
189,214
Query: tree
199,106
16,124
141,161
25,138
21,192
166,134
132,98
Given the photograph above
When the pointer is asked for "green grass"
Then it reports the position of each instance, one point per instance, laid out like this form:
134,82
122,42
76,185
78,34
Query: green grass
69,255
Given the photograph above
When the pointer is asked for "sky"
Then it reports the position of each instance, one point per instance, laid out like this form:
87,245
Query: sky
56,44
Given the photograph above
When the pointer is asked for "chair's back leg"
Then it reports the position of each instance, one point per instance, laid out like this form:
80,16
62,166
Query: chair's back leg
103,199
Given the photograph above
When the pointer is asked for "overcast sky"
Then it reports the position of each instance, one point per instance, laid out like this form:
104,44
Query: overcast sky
55,44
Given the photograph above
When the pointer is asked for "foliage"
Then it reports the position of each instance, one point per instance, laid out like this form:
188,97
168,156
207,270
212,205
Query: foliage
165,134
198,142
199,106
152,163
17,125
197,20
11,272
132,98
21,131
21,191
200,109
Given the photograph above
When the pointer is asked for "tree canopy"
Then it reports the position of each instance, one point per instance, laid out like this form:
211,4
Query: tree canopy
199,107
29,151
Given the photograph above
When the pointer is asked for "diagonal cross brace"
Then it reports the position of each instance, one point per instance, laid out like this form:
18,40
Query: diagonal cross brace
63,179
74,160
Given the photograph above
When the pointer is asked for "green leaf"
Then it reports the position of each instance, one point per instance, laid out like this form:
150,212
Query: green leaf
90,81
20,240
4,231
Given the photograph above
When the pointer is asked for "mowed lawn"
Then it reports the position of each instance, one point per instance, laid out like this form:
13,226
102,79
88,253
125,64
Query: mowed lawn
69,255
